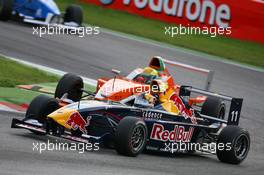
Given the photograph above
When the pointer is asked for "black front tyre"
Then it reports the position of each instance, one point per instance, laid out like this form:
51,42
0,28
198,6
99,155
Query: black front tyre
70,84
74,13
6,8
237,145
130,136
40,107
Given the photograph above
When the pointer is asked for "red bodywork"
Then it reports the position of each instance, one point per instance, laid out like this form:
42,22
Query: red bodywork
129,87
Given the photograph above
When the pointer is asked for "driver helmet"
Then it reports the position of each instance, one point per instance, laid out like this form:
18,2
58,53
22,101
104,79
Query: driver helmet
146,71
150,71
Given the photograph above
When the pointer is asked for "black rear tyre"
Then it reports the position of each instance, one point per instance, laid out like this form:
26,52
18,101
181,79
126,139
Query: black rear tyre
70,84
214,107
40,107
6,8
74,13
239,145
130,136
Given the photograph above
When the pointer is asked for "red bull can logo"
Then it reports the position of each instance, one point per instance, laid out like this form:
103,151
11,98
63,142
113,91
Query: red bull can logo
185,112
76,121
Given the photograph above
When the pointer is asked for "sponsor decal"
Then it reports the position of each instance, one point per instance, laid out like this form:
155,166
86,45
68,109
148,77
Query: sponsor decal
185,112
179,134
76,121
193,10
151,115
223,14
152,148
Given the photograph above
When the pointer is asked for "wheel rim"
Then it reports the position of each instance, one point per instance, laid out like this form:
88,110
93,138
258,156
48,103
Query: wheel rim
241,146
138,138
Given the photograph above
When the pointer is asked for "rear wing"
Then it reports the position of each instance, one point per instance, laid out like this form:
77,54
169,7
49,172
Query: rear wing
206,72
235,103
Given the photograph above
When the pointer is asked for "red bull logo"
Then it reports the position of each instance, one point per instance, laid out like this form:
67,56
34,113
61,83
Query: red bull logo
179,134
76,121
185,112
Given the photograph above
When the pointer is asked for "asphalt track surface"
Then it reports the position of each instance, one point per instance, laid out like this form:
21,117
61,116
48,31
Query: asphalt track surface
93,57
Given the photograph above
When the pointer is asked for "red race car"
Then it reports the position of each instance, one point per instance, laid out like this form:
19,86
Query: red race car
138,81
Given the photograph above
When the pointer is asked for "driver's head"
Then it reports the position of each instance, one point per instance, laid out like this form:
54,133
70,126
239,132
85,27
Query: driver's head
157,87
157,63
147,74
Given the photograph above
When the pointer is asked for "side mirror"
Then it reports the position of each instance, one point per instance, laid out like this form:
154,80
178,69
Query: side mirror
115,71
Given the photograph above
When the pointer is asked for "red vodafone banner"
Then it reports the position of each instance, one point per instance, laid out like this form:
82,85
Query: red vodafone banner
244,17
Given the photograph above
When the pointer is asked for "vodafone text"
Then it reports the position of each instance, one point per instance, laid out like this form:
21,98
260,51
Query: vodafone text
193,10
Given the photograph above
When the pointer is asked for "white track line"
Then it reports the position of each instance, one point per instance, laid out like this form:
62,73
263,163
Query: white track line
5,108
49,69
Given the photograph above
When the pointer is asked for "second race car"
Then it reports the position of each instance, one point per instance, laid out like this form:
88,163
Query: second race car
41,12
138,81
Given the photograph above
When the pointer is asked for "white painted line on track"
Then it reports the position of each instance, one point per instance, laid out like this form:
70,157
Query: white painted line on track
5,108
49,69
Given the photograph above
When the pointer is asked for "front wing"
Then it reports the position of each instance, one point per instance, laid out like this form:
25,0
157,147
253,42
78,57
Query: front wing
66,135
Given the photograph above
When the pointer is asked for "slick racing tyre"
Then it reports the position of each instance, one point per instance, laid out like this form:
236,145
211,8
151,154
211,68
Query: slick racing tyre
239,145
6,8
214,107
74,13
40,107
130,136
70,84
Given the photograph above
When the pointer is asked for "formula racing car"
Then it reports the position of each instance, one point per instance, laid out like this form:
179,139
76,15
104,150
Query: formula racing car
130,127
41,12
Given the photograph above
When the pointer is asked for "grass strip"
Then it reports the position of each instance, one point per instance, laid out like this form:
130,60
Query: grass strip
13,73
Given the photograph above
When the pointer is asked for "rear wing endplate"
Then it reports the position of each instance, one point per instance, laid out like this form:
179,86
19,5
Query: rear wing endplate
235,106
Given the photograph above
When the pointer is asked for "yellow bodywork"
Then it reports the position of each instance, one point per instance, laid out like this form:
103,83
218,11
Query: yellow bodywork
164,98
169,106
61,116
